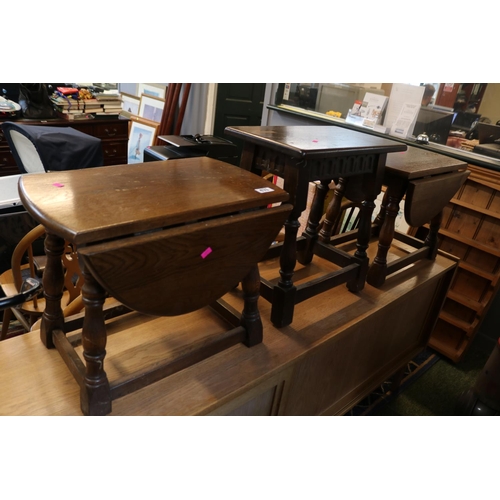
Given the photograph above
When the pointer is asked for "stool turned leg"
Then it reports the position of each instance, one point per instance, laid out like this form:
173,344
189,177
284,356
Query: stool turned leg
332,212
364,233
378,269
283,300
284,292
432,238
95,396
53,284
311,231
250,318
379,220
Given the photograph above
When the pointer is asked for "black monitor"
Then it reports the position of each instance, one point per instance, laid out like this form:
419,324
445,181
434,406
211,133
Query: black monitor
488,133
464,121
436,124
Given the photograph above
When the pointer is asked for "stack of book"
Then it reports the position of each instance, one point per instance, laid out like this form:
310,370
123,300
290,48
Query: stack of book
100,105
91,105
110,101
70,108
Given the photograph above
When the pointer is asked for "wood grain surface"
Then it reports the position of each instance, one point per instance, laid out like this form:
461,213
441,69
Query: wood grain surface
95,204
315,141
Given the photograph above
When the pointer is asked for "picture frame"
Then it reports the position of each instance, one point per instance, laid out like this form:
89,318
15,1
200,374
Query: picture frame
130,104
152,90
142,134
151,108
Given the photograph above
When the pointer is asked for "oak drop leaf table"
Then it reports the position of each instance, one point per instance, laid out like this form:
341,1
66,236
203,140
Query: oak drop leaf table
428,181
163,238
300,155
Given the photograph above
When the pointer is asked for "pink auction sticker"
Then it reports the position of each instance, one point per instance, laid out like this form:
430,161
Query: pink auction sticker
206,253
58,185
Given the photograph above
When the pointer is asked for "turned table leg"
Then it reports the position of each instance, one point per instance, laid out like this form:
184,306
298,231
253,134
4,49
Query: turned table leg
362,242
385,222
250,317
332,212
432,237
283,300
378,269
313,220
95,396
53,283
284,293
379,219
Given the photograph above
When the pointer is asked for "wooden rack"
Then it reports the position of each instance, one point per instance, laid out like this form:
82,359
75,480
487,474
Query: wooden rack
470,231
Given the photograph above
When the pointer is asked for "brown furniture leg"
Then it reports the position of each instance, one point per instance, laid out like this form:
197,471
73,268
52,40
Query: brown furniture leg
363,234
53,283
432,238
379,219
284,293
283,301
362,242
311,231
95,396
390,208
332,212
250,317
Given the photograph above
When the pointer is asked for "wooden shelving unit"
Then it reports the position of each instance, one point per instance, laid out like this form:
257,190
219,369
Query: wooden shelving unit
470,231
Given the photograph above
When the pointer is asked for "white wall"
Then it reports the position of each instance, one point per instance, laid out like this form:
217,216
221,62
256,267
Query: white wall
490,104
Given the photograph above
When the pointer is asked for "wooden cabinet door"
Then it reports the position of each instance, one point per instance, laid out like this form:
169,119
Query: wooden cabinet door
238,104
447,94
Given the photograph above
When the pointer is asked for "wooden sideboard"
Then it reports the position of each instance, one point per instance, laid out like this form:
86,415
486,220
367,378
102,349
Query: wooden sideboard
340,347
112,131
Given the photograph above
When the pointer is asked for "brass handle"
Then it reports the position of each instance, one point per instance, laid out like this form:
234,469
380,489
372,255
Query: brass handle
109,133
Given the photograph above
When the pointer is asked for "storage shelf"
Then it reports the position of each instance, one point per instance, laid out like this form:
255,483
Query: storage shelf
479,272
488,178
452,320
474,305
484,211
444,348
470,242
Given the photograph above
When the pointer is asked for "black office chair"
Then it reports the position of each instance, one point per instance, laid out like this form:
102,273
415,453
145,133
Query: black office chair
45,148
